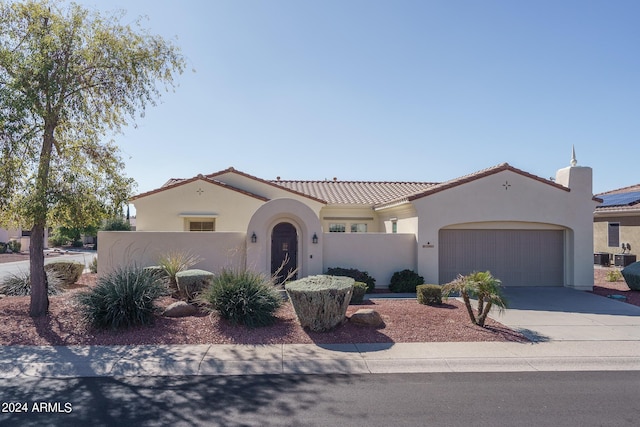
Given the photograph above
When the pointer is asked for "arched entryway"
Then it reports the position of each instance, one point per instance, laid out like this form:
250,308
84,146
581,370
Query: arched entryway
284,249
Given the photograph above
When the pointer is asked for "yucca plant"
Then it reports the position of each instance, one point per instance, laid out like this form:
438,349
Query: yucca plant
19,284
481,285
173,262
243,297
122,299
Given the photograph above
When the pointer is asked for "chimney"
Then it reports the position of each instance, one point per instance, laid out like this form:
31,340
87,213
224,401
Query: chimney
577,178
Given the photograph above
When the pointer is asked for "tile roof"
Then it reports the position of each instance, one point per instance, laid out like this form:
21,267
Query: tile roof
380,194
472,177
621,200
355,192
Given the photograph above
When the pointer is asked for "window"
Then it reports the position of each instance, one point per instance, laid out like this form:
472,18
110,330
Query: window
358,228
394,227
337,228
614,234
201,225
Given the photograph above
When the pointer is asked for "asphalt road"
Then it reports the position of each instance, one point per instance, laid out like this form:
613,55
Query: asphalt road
461,399
7,269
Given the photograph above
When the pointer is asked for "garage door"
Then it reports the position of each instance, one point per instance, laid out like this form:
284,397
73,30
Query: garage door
517,257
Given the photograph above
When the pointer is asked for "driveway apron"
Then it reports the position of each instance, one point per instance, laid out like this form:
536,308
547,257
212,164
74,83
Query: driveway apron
563,314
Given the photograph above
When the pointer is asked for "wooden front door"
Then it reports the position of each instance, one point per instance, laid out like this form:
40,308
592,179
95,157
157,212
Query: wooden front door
284,249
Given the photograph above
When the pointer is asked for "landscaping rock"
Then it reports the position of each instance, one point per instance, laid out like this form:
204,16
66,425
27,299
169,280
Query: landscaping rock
180,309
366,317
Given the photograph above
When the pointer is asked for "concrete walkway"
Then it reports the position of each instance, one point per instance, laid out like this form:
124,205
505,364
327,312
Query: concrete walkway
571,330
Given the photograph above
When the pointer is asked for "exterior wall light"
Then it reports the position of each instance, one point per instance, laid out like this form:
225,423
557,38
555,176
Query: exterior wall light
254,238
314,239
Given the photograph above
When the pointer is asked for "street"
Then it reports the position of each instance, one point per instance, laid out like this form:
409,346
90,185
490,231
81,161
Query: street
85,257
451,399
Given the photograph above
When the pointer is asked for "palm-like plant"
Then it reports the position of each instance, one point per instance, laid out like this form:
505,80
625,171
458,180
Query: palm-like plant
481,285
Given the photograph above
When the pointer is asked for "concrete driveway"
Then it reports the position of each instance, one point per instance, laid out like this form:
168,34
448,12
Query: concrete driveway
563,314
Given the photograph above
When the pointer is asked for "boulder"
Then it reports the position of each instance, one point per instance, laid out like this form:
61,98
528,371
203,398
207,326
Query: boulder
180,309
366,317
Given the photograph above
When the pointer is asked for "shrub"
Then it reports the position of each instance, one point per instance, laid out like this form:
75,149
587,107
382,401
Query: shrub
480,285
359,289
93,267
405,281
631,274
19,285
116,224
173,262
3,248
14,246
191,282
613,275
243,297
429,294
68,271
357,275
320,302
122,299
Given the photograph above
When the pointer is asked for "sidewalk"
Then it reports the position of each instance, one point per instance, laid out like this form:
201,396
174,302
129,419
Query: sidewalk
570,330
127,361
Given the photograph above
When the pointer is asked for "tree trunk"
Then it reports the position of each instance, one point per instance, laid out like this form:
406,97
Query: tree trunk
39,286
39,305
482,317
467,303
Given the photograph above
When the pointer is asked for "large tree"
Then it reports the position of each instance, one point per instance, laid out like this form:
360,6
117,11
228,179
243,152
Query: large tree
69,77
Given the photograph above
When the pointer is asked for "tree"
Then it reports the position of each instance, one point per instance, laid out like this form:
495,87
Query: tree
481,285
68,78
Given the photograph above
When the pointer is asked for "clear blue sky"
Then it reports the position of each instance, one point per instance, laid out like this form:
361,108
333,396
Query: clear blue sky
392,90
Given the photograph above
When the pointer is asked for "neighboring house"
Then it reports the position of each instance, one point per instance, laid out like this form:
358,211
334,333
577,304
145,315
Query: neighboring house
616,222
527,230
23,236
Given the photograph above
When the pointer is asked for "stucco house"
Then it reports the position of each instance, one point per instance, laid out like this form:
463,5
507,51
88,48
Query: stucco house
616,222
527,230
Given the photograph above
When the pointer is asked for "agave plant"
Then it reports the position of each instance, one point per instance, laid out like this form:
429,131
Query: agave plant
481,285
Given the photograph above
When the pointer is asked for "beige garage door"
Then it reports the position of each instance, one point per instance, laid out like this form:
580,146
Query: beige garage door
517,257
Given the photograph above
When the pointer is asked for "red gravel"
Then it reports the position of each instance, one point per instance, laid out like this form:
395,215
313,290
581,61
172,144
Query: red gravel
404,321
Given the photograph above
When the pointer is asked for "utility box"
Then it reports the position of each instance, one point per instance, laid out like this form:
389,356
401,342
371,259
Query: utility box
602,258
622,260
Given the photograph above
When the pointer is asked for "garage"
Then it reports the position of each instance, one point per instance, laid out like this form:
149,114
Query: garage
517,257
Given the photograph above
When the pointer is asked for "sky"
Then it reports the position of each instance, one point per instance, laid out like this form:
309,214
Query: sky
400,90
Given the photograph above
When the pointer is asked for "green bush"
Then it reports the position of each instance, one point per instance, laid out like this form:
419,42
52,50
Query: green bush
429,294
320,302
613,275
3,248
116,224
68,271
357,275
191,282
19,285
14,246
631,274
243,297
405,281
359,289
122,299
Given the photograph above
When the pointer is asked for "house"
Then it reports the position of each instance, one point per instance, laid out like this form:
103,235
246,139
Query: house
616,222
20,235
527,230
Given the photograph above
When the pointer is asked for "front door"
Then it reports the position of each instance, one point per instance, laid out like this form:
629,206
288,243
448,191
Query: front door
284,249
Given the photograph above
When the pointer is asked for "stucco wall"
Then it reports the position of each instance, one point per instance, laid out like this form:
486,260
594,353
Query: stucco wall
166,210
509,196
121,248
377,253
629,233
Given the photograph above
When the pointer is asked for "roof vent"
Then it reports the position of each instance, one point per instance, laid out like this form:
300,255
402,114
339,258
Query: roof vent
277,178
335,179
